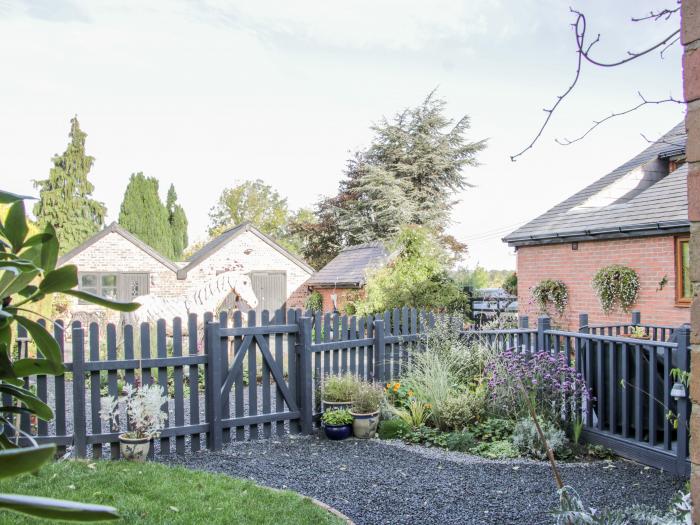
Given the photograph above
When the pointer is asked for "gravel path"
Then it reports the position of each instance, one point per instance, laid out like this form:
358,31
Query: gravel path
380,482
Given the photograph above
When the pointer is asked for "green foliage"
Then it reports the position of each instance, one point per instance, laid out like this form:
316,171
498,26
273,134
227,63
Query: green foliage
144,214
367,398
178,224
393,428
424,435
495,450
153,494
314,302
65,197
510,284
338,389
616,285
551,293
416,277
28,274
493,429
408,175
337,417
460,441
526,439
460,410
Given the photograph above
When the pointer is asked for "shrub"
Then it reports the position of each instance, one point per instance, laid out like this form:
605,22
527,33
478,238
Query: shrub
510,284
460,441
314,302
459,411
526,439
415,413
551,293
337,389
367,398
616,285
337,417
555,387
393,428
493,429
496,450
425,436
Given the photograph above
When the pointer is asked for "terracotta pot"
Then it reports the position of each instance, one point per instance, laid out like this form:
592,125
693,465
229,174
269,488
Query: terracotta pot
134,449
364,426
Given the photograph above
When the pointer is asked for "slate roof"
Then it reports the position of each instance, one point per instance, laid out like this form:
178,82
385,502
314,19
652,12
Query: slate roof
115,228
349,268
230,234
660,208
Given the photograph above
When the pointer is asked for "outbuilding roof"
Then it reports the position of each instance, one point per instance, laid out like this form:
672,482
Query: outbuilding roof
638,198
349,268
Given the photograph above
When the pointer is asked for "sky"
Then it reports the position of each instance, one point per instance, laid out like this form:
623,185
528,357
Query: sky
209,93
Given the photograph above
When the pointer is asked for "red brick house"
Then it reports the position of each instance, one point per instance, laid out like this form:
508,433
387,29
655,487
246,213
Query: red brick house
636,216
341,280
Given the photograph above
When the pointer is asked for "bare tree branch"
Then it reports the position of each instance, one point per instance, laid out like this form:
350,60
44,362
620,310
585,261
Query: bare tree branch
664,13
659,141
567,142
583,51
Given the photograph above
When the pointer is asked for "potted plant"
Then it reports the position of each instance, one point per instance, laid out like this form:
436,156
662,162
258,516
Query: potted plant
145,418
365,410
337,392
638,333
337,424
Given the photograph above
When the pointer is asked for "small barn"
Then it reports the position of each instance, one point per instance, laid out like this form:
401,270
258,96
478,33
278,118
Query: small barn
341,280
117,265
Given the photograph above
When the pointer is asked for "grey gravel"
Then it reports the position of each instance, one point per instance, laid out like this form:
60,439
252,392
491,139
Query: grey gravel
382,482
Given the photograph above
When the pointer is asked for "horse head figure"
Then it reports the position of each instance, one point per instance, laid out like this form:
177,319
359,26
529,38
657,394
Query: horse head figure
240,284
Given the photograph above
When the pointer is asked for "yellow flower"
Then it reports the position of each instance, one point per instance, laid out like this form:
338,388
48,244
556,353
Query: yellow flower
428,405
410,393
396,387
388,385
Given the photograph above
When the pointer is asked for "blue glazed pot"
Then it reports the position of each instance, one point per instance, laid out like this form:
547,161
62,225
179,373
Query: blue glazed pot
337,432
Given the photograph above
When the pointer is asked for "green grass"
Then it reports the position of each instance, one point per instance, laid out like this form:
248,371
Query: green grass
150,493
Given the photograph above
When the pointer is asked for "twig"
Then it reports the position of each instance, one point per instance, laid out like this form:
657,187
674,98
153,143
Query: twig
596,123
660,141
665,13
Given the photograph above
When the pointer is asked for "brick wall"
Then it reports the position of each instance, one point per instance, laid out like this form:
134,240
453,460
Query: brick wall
651,257
344,295
690,38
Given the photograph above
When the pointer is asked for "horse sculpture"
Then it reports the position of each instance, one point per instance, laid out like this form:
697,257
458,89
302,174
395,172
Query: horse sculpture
206,298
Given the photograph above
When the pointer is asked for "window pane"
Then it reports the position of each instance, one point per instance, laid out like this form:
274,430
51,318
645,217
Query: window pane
685,275
109,281
88,281
109,292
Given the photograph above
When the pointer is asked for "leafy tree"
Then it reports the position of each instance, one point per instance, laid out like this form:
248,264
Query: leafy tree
28,259
65,197
408,175
250,201
417,277
316,234
143,214
178,224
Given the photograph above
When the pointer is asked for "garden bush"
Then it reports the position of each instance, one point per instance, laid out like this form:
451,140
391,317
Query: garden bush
462,409
393,428
526,439
460,441
367,398
496,450
493,429
339,388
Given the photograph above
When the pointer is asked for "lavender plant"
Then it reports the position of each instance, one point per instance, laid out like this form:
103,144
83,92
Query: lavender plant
557,392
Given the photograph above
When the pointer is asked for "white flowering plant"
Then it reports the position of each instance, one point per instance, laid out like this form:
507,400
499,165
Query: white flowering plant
550,292
144,410
616,285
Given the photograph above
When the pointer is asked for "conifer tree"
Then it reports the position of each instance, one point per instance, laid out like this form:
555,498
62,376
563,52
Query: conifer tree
65,197
144,214
178,223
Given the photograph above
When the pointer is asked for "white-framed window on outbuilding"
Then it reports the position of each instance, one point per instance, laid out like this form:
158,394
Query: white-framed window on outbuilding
113,285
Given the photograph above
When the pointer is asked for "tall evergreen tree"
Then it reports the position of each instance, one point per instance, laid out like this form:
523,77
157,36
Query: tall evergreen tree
65,197
178,224
144,214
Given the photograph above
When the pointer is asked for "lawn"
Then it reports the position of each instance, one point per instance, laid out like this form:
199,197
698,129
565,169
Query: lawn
150,493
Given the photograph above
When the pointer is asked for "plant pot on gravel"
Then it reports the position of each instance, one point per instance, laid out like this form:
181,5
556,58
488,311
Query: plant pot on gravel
337,424
145,418
365,410
337,392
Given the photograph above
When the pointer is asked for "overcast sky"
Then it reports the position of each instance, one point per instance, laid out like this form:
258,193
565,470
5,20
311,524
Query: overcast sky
208,93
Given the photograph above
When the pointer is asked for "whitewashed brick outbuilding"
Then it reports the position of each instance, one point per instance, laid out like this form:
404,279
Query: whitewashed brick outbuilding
116,264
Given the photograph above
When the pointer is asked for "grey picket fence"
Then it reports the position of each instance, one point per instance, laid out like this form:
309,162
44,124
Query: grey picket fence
252,378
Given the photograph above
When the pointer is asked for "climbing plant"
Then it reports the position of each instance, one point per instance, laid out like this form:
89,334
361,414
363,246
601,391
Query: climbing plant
616,285
551,293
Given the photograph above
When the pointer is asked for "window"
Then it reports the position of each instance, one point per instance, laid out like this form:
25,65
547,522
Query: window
683,285
115,286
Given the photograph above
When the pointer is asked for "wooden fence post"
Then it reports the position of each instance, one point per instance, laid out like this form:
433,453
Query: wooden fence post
683,339
636,317
379,350
212,391
543,324
79,423
523,322
304,372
